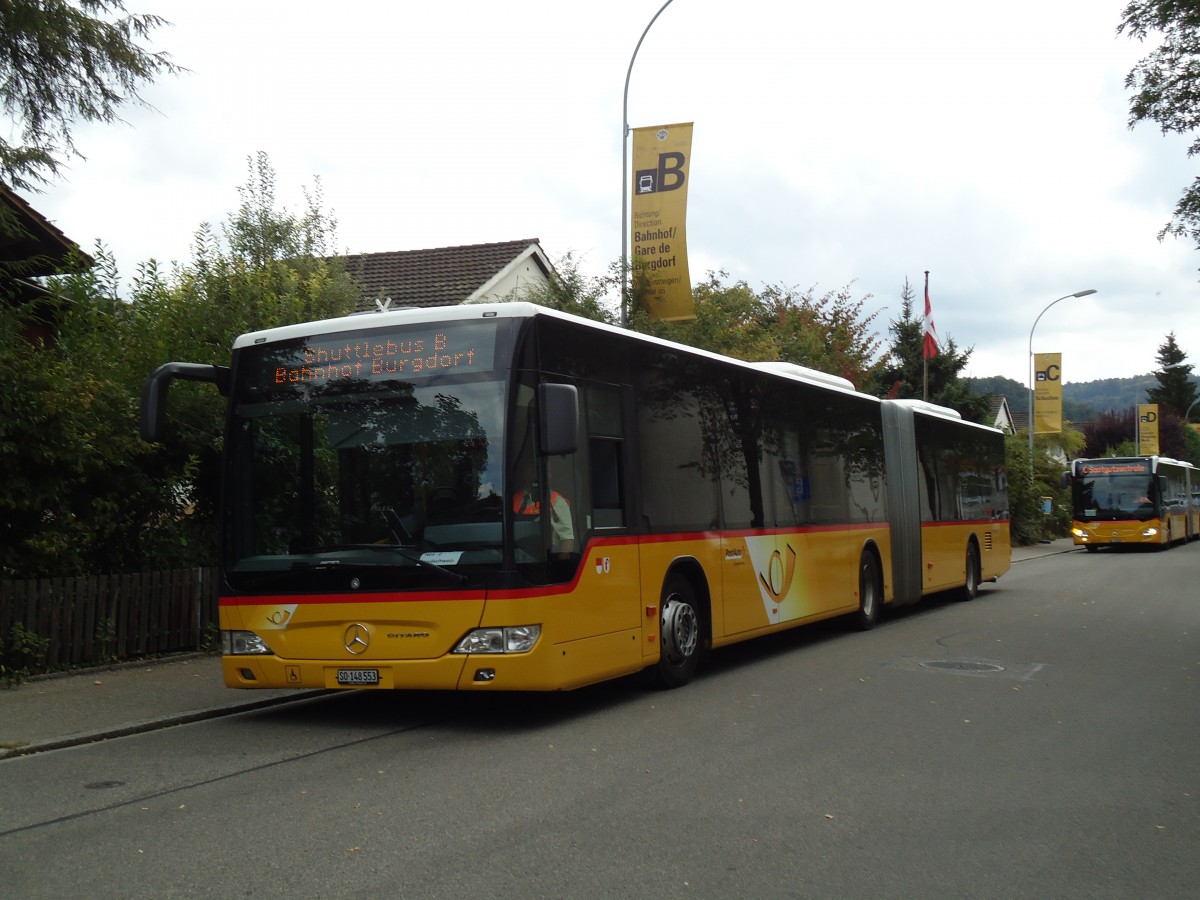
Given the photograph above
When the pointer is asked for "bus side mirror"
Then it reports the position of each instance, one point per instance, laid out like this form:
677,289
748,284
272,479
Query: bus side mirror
1064,480
154,391
558,418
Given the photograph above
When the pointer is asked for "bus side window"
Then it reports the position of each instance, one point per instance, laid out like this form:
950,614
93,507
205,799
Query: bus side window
608,502
606,446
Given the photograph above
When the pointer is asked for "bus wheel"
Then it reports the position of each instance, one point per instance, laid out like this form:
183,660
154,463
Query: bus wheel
1090,548
970,590
870,597
680,633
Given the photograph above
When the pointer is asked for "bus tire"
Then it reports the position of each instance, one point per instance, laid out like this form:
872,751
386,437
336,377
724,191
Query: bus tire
870,594
1090,548
970,590
680,633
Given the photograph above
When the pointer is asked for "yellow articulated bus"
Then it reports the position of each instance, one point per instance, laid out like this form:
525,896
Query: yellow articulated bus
1139,500
504,497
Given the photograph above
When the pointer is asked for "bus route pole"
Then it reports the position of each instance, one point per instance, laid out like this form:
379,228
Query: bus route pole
624,179
1033,375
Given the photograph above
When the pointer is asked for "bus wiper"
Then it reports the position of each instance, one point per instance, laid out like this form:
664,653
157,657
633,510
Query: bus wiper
426,564
405,541
399,549
396,526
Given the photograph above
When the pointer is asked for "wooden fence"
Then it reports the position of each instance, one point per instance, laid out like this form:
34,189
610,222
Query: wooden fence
102,618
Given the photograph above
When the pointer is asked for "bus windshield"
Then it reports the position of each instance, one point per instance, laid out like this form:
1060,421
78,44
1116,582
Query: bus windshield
1114,497
391,479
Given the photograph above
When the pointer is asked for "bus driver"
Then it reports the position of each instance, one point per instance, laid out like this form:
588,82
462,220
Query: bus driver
527,501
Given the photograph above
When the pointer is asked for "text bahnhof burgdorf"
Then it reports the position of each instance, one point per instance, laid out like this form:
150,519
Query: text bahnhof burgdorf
367,359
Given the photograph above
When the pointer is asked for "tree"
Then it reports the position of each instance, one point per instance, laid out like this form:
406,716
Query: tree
72,495
1166,85
1175,390
61,63
82,493
903,369
730,319
1191,445
830,333
1114,433
1024,513
269,267
569,290
1172,435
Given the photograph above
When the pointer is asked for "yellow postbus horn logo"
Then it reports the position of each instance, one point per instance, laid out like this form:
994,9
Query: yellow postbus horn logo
777,580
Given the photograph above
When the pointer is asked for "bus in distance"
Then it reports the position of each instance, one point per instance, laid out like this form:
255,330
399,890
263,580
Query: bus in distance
505,497
1139,500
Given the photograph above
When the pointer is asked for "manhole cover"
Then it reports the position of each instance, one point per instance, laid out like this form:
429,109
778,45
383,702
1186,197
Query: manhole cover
961,665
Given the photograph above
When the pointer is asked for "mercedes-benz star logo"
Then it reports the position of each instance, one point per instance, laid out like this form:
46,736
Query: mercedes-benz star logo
357,639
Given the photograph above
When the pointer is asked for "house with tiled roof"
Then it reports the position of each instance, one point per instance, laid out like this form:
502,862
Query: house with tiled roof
1020,421
446,276
31,247
1003,417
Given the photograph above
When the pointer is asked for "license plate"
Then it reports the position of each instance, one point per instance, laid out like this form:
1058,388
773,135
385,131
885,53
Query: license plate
358,676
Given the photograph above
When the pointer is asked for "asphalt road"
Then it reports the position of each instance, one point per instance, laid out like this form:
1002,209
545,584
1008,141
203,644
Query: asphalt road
1041,741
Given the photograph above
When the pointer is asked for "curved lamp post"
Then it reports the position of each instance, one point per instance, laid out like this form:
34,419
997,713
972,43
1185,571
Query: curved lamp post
624,180
1083,293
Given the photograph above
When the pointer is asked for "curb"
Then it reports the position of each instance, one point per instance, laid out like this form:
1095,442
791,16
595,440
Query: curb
1040,551
154,724
121,664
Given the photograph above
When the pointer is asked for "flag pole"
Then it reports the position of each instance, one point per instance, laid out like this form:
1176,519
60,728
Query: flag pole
924,340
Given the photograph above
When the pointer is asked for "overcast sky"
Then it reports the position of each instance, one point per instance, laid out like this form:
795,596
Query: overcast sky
835,144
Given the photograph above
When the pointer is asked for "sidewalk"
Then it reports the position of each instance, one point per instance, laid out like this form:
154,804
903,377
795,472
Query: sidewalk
79,707
1034,551
51,712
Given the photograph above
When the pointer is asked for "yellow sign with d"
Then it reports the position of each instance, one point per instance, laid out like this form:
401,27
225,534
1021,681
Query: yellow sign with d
1147,428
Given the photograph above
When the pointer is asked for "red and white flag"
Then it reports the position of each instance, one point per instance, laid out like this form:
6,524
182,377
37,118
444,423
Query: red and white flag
930,330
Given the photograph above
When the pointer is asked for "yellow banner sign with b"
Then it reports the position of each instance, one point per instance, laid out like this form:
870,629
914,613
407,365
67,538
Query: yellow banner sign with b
661,157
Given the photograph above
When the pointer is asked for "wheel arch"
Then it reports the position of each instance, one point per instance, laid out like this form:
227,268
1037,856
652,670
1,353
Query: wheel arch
973,538
872,547
972,580
689,567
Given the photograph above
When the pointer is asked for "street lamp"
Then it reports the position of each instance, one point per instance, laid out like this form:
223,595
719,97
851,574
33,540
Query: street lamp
1035,322
624,180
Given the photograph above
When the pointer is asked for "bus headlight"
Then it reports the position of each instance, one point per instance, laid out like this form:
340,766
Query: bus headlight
514,639
1150,532
243,643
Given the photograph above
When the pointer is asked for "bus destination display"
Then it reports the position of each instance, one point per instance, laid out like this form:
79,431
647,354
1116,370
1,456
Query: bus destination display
379,356
1122,467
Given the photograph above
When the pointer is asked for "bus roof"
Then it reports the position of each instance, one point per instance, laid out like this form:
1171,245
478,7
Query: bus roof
931,408
520,310
924,407
416,315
